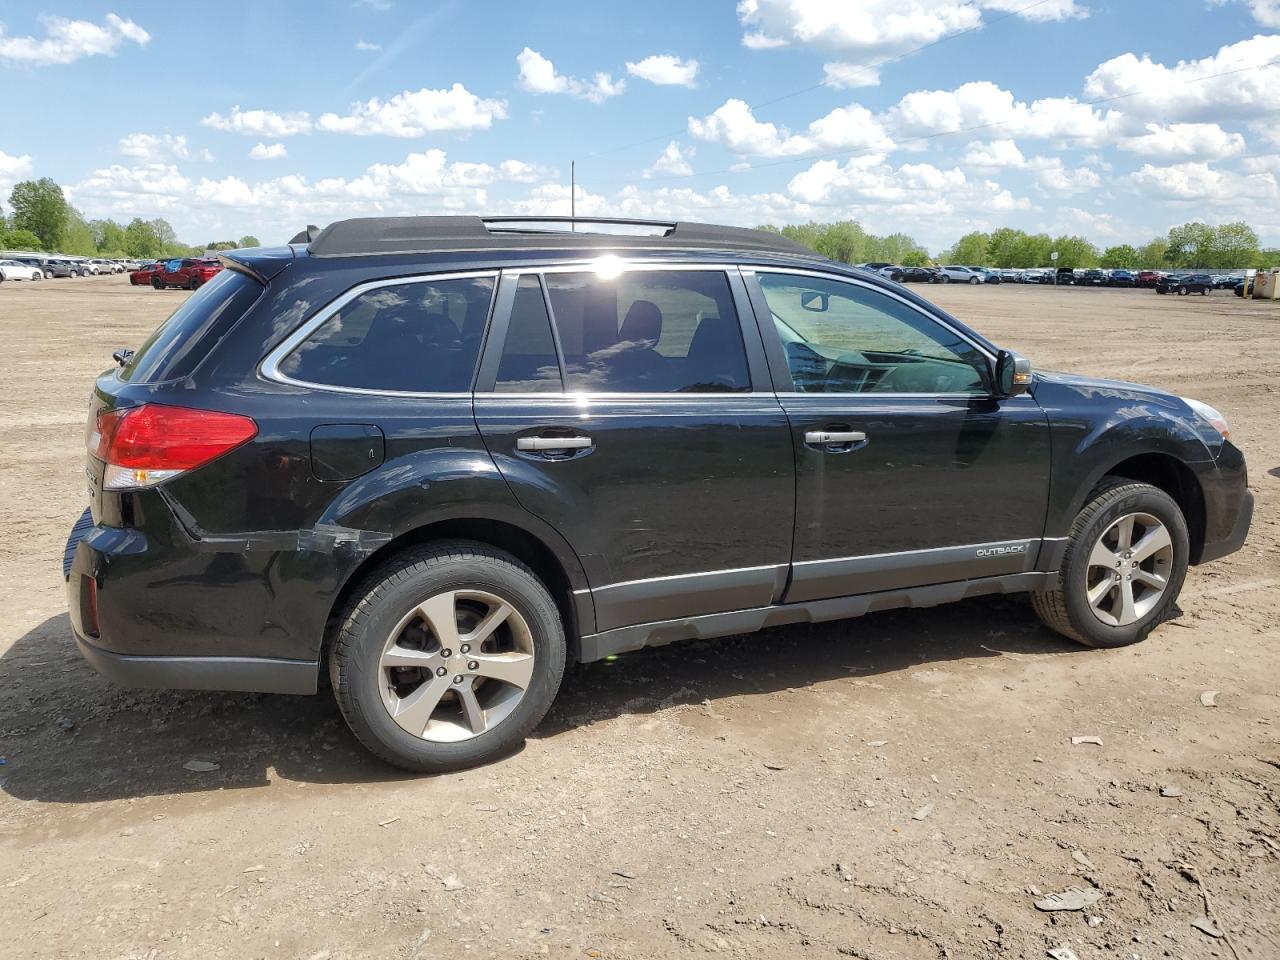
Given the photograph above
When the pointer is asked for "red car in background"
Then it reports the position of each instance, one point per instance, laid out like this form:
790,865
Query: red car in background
142,277
189,273
1146,278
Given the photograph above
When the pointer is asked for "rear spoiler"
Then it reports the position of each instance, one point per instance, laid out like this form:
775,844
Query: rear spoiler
307,235
261,263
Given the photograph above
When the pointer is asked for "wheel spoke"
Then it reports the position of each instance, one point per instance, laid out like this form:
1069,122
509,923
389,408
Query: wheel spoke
495,618
1153,541
1153,580
513,668
1127,613
441,613
414,711
1099,593
398,656
472,712
1103,556
1124,533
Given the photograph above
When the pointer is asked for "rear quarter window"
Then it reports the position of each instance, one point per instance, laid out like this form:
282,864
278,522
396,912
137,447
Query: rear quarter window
178,345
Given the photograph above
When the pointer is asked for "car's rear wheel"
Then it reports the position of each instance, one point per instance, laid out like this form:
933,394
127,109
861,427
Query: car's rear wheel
1124,566
448,657
193,284
155,283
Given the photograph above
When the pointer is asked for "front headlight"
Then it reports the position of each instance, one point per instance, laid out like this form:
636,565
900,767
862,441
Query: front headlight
1207,413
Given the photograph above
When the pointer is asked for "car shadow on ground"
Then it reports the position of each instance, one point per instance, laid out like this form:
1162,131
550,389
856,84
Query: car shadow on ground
68,736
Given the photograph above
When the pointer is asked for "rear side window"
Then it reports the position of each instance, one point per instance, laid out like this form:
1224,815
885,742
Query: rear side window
421,337
178,345
648,331
529,363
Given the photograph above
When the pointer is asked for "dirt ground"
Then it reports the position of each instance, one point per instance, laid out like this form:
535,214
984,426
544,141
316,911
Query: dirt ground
898,786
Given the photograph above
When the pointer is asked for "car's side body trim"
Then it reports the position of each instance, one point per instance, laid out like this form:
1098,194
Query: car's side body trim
247,674
624,639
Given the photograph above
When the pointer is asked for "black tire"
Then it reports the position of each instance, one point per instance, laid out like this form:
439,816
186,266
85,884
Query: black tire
392,590
194,284
156,284
1065,608
973,279
944,279
1182,291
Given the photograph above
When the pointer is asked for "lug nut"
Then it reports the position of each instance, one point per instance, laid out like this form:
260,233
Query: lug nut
441,671
458,678
446,653
472,665
465,648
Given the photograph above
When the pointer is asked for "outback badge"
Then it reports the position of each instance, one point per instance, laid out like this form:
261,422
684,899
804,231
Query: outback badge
1002,551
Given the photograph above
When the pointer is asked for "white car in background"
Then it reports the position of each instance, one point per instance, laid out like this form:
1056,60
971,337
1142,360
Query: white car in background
13,270
957,274
106,266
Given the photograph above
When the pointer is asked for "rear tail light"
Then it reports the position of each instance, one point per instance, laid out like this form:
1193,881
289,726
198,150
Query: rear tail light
146,445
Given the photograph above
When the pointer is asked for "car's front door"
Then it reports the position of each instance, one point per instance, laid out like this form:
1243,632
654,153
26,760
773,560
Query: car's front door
642,426
908,471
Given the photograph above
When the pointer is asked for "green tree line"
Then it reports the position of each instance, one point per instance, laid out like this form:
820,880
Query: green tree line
42,219
1227,246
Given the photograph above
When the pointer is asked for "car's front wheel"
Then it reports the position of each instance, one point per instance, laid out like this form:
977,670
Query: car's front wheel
1125,562
448,657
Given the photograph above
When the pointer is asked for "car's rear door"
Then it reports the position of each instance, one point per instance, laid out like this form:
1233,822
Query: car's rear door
908,471
642,425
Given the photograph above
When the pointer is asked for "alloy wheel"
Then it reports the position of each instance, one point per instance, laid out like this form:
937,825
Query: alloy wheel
456,665
1129,569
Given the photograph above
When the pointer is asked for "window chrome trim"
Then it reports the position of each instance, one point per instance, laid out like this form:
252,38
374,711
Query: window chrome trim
269,368
858,282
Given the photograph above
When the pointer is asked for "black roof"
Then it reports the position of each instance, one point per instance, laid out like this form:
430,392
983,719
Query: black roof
388,235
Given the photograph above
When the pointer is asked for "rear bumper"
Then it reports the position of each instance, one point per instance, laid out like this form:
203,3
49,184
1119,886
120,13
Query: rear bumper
248,674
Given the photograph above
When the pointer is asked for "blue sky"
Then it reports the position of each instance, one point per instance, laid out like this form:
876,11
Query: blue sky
932,117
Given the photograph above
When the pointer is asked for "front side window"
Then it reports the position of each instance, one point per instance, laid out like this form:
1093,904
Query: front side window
648,331
419,337
845,338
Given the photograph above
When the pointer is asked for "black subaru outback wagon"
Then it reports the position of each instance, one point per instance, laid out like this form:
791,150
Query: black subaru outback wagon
442,457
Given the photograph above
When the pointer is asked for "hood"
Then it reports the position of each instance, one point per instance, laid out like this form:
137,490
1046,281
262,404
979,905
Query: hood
1096,387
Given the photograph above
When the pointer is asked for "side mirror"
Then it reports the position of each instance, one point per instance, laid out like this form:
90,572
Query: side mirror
1013,374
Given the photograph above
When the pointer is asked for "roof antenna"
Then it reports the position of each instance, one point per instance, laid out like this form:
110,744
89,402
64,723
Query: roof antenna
573,196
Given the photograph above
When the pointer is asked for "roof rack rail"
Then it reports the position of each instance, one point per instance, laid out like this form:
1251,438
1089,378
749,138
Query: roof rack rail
387,235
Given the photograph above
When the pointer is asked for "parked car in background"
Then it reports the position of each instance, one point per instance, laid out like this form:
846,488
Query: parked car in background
1146,278
1011,276
955,273
918,275
1093,277
1065,277
891,272
1240,287
1120,278
1183,284
141,277
106,266
16,270
54,267
1037,275
189,273
1225,282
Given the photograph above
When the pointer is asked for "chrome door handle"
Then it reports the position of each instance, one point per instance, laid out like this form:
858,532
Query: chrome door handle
822,437
552,443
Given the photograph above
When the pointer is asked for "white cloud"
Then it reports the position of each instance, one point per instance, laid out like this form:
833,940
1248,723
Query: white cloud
66,41
263,151
154,148
1200,182
12,169
417,113
1094,224
665,70
259,123
844,76
1185,140
981,105
538,75
734,126
1237,81
1266,12
992,155
674,161
367,45
870,31
1053,176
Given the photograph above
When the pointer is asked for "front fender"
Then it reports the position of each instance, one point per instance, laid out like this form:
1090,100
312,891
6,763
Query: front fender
1095,425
